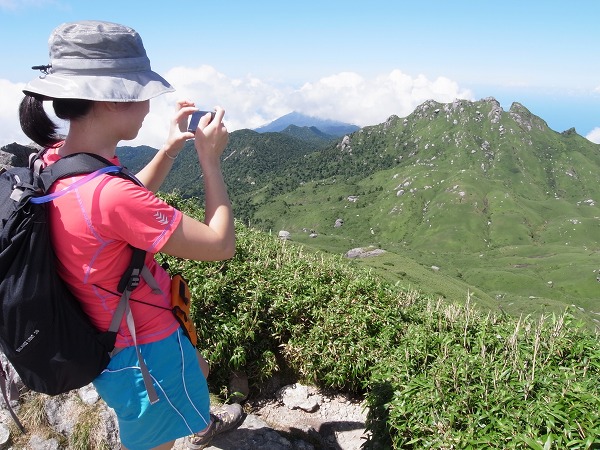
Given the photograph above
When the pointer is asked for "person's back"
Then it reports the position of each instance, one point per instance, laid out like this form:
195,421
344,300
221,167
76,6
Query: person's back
99,246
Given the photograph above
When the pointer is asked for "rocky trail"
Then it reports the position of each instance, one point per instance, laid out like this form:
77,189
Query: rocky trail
296,417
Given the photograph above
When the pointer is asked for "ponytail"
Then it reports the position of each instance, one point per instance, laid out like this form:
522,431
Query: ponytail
35,123
40,128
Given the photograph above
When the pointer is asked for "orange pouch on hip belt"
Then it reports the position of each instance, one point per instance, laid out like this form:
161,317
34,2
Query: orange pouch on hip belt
180,302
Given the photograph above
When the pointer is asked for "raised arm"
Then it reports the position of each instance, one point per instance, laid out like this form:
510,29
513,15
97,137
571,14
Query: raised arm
213,239
155,172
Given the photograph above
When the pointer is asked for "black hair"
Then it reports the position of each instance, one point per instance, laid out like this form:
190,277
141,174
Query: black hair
36,124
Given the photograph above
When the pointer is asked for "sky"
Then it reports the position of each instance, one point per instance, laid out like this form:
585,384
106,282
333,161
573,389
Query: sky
353,61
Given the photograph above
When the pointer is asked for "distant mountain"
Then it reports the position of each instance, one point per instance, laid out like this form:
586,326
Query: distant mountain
309,134
330,127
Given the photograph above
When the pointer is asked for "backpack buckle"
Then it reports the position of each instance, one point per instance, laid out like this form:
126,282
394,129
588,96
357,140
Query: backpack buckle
17,194
134,281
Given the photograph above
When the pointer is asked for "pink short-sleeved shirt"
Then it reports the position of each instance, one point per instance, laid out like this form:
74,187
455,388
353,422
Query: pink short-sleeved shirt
92,229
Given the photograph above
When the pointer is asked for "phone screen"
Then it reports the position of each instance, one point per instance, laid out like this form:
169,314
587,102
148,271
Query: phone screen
195,119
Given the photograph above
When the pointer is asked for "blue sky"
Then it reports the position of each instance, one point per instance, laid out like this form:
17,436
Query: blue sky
355,61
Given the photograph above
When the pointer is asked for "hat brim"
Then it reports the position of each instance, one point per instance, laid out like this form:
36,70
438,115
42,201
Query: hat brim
127,87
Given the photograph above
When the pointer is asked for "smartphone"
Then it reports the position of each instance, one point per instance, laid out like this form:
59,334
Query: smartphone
195,119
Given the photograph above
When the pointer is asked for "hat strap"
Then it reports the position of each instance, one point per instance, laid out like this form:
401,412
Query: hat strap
43,68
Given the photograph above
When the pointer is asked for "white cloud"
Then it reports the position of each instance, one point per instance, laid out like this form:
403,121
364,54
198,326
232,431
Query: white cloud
594,135
351,98
250,102
10,130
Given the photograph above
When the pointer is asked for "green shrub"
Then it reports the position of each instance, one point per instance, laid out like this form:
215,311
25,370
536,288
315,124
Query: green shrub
463,380
434,374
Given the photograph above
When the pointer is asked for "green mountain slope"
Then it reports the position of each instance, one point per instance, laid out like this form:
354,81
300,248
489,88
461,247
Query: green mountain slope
309,134
492,198
250,162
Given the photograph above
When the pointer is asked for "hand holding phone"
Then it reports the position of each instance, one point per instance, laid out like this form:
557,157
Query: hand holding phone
195,119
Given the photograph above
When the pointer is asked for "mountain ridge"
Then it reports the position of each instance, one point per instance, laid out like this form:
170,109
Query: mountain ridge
326,126
494,198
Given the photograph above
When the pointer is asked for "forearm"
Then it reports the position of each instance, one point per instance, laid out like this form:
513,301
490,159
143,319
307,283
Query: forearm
159,167
214,238
218,211
154,173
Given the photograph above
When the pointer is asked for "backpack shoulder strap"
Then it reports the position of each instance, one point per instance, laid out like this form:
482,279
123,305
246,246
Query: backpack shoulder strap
76,164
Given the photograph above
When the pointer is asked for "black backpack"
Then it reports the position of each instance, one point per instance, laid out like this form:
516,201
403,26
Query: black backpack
44,333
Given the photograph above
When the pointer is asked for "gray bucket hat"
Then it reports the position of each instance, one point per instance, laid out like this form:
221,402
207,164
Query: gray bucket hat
102,61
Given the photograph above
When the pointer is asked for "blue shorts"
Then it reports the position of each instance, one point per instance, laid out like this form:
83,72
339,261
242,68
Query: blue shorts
183,406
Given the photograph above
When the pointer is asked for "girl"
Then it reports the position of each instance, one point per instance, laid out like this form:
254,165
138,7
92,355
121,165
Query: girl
100,81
